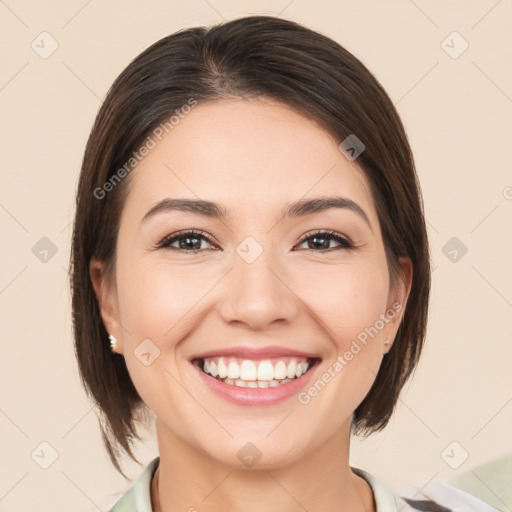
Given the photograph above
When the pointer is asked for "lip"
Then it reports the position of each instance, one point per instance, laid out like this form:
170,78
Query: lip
256,396
248,352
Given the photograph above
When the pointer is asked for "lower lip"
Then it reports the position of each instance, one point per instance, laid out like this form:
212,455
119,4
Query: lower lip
256,396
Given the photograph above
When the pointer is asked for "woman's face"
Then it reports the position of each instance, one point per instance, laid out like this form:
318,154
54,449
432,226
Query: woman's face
256,294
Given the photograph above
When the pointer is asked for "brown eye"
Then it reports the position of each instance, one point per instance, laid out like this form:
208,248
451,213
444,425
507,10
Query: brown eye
187,241
321,240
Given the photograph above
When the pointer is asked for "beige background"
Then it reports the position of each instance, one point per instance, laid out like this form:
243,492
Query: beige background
457,112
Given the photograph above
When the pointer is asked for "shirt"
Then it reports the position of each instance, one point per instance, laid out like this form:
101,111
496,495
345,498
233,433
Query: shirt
138,497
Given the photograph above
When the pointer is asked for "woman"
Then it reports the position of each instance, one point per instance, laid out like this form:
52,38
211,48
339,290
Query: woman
249,236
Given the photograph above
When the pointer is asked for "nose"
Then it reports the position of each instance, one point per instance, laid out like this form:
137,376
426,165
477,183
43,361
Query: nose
258,295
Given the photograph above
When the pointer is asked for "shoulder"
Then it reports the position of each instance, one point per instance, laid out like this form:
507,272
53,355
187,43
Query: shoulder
138,497
384,499
434,497
443,497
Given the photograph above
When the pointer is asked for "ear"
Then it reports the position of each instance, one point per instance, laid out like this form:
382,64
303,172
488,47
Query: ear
397,300
106,297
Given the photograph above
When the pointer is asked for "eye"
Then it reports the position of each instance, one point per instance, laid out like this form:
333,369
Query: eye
190,241
322,240
187,241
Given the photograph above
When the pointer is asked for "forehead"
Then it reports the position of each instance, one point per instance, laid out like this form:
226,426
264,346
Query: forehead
243,153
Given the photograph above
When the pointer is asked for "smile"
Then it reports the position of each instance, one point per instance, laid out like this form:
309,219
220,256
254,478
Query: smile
249,373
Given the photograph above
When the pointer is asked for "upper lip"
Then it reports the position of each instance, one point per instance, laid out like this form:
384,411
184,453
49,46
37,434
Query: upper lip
247,352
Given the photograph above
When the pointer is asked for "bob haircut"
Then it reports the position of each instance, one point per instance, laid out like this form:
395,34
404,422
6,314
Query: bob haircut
249,57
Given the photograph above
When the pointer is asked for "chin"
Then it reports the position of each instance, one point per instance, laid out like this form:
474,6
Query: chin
260,453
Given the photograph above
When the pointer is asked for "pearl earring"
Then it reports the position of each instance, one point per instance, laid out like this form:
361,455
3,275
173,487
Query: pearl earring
386,342
113,342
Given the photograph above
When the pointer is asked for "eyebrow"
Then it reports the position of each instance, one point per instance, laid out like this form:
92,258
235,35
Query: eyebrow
300,208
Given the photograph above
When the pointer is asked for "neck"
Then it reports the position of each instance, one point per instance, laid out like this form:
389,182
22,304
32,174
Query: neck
187,479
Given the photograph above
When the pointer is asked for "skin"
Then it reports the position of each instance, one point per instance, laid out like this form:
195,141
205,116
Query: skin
252,157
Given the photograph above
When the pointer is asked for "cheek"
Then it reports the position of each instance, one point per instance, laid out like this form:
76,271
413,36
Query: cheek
349,303
348,299
158,301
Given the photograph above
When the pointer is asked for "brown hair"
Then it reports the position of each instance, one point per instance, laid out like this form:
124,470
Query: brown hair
250,57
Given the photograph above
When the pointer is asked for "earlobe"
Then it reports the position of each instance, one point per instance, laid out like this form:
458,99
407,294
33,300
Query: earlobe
106,300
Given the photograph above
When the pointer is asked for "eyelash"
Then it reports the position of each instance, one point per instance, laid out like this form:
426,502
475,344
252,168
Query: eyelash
344,242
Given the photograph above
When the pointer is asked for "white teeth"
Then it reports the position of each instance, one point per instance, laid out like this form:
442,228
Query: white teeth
254,374
265,371
233,370
301,369
280,371
221,367
248,370
292,366
247,384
